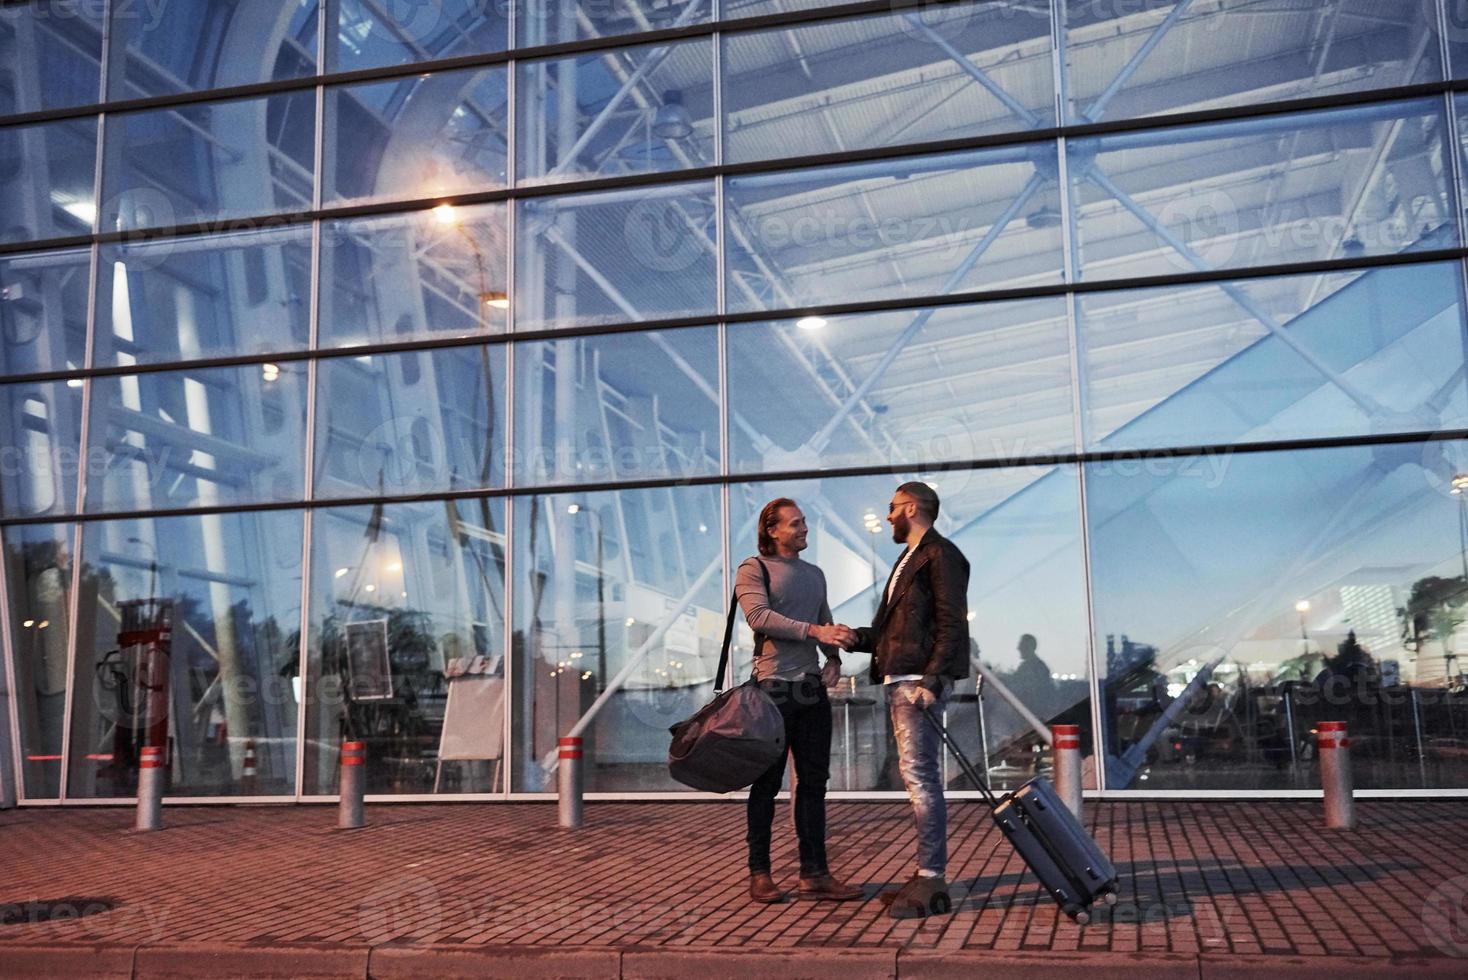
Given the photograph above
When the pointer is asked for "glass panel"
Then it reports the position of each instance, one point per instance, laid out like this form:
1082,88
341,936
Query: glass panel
43,311
910,386
1020,529
374,34
221,686
40,447
731,9
920,226
1337,184
47,180
615,257
1142,59
1351,353
555,21
425,136
1243,598
606,584
208,162
189,298
627,407
433,273
933,72
38,581
208,45
1457,34
635,110
201,438
407,646
52,52
411,423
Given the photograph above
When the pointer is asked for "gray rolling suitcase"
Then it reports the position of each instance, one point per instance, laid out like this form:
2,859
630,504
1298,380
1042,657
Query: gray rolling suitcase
1050,839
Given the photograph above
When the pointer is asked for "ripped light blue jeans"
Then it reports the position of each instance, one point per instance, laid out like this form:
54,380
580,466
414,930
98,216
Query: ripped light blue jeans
920,760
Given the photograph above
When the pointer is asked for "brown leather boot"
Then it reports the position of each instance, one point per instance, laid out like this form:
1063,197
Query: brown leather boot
828,887
762,888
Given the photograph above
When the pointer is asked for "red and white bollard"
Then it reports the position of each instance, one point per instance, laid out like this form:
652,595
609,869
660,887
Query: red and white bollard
1335,774
568,772
1067,750
249,784
350,813
150,788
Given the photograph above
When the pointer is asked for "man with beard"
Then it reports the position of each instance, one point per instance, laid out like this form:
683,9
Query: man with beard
919,644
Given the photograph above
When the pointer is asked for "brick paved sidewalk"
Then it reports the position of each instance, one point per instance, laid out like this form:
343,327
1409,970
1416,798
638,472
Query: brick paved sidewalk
658,889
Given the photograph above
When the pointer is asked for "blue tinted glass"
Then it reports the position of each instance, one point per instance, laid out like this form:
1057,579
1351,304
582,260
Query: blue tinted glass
431,273
623,407
926,225
207,437
1336,184
1239,599
1349,354
227,683
913,386
408,423
43,311
40,445
206,162
553,21
161,48
47,186
939,71
189,298
52,51
419,137
38,586
615,257
426,582
636,110
373,33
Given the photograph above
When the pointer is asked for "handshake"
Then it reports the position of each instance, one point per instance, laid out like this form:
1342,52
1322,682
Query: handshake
834,635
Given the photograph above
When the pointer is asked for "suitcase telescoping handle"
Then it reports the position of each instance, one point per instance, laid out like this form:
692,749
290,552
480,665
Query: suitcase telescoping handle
968,767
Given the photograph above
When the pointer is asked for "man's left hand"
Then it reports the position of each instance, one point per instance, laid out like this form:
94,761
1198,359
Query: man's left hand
922,697
831,673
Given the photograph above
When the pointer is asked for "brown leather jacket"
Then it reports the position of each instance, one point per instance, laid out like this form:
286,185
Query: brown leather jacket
924,629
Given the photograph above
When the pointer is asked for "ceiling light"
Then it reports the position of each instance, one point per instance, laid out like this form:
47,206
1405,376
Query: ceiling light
446,214
43,624
573,508
1045,217
671,121
271,372
369,588
496,299
342,571
28,623
811,322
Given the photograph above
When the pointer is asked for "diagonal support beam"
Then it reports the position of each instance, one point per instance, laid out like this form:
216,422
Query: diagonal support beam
1024,115
1095,109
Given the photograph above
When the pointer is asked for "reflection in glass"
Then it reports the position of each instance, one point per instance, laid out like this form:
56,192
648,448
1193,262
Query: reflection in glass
200,438
372,34
615,256
53,51
46,180
209,161
1020,529
912,227
939,71
216,296
630,110
423,136
910,386
426,274
160,49
1240,599
411,423
40,447
1343,183
618,588
38,582
43,311
407,645
555,21
220,687
1130,60
1353,353
629,406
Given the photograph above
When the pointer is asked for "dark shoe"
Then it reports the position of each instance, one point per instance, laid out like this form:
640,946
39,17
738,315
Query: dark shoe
828,888
921,896
762,888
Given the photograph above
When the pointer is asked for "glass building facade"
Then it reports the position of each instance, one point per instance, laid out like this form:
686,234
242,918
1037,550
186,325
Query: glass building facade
413,372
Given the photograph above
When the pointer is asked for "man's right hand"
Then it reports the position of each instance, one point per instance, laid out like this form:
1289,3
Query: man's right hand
834,635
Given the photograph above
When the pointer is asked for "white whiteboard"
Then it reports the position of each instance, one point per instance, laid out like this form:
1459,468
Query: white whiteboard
474,718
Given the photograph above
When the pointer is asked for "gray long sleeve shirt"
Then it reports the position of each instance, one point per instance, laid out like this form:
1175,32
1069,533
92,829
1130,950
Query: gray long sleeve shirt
796,601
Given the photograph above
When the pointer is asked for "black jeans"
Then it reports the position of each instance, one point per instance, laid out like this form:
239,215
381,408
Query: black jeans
807,713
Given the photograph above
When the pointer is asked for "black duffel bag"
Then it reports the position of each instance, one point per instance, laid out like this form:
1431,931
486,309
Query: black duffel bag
733,739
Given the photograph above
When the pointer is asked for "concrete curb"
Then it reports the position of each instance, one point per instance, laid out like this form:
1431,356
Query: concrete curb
661,963
67,961
964,964
520,962
317,960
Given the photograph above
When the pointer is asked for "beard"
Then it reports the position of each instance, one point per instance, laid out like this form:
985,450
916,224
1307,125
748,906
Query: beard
900,528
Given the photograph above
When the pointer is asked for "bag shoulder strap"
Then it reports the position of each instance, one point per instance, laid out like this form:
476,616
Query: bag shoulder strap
729,628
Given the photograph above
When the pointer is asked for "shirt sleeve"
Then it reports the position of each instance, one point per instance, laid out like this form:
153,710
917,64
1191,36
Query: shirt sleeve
749,589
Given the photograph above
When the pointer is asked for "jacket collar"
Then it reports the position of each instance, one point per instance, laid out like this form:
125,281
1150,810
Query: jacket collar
921,555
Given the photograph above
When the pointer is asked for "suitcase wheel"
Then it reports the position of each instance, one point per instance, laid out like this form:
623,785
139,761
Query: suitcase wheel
941,904
1110,898
1081,917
